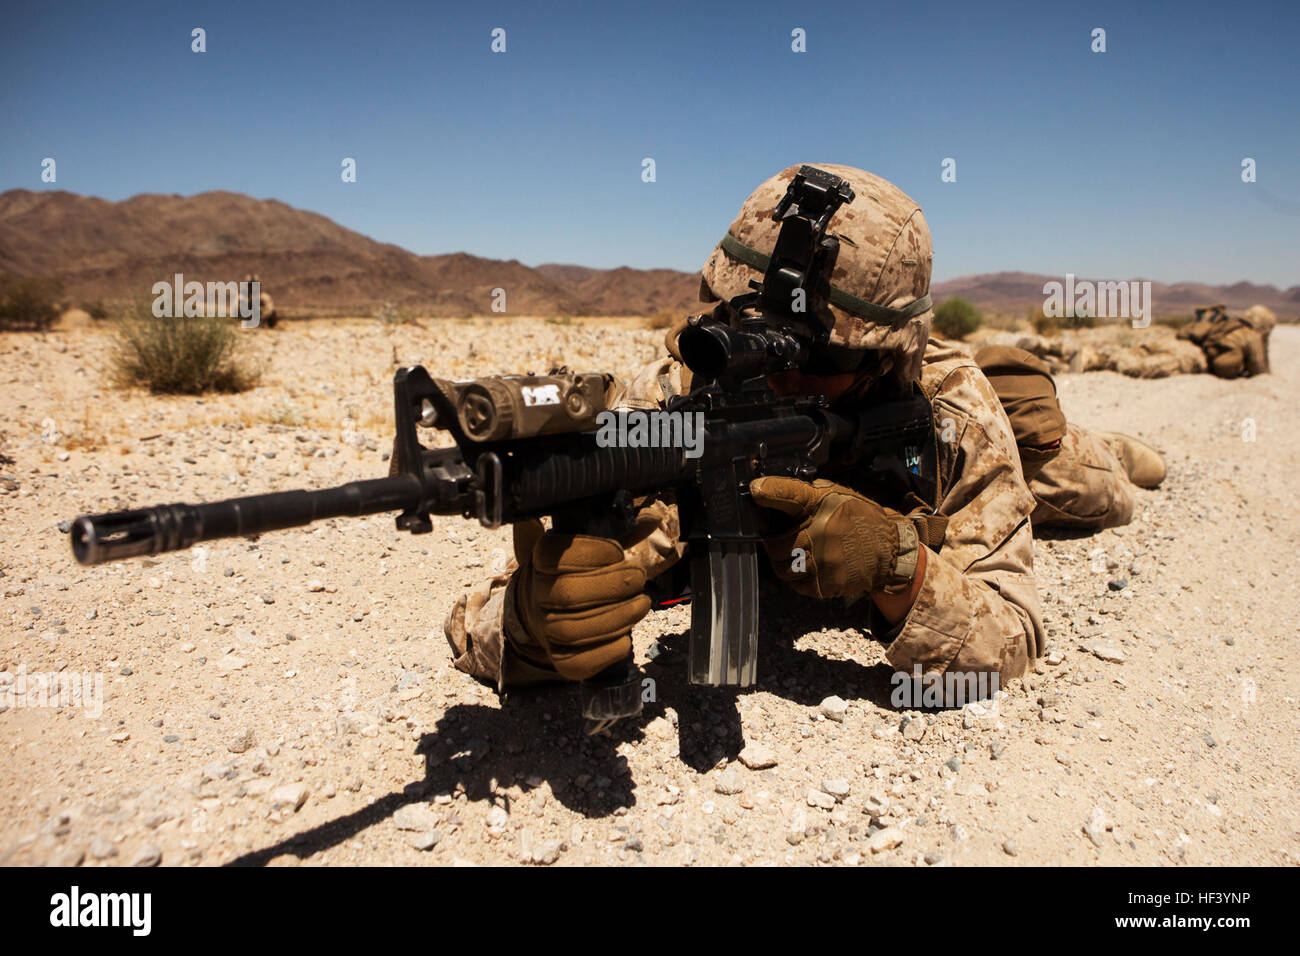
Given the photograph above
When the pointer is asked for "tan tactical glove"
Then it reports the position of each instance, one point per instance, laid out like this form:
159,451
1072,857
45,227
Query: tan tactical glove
578,597
847,545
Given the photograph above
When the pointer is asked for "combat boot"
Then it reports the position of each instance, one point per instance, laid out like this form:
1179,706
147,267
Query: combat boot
1144,465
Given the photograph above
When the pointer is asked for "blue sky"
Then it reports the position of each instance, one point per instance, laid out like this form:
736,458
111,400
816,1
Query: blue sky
1117,164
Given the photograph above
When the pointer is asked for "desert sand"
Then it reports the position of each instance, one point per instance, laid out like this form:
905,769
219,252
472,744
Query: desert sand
292,700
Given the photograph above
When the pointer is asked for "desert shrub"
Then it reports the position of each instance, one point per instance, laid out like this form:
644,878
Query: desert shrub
663,319
1003,323
390,314
178,355
1173,321
956,318
1045,324
560,320
28,303
287,413
96,309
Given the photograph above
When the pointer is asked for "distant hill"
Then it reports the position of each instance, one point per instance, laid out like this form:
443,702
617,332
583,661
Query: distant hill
118,250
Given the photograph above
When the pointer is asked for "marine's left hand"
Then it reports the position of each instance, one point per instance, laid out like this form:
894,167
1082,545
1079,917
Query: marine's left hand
842,544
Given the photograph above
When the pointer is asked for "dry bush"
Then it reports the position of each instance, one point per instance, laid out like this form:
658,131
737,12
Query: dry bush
1003,323
28,304
87,430
956,318
390,314
1043,323
178,355
663,319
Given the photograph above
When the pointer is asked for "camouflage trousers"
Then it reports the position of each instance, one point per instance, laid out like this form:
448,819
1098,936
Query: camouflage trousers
1085,487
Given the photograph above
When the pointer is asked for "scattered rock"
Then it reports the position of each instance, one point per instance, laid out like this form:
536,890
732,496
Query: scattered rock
912,727
148,855
1095,826
290,795
757,756
728,782
1106,651
229,664
415,816
424,840
821,800
837,787
243,742
357,722
834,708
546,853
886,839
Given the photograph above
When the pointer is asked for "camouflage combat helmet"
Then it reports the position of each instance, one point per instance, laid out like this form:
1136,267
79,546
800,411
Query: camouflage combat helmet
1261,318
880,286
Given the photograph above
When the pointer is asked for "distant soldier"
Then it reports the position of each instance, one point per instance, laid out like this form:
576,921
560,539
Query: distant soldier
1233,346
266,309
1261,317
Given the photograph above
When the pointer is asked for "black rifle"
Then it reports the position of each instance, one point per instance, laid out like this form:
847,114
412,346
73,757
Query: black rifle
535,446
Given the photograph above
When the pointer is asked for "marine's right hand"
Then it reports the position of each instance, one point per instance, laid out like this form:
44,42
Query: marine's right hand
578,596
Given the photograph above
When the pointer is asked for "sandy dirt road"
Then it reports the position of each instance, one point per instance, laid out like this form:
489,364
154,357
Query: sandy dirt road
291,700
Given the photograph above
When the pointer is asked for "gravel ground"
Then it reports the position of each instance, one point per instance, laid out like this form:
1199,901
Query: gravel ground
292,700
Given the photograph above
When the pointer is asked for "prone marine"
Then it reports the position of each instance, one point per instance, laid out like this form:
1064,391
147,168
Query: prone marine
947,584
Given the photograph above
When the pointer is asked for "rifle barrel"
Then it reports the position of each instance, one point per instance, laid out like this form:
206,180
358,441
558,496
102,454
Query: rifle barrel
97,539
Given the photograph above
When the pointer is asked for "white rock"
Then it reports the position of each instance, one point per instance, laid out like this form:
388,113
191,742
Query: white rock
837,787
230,663
757,756
821,800
834,708
357,722
424,840
1106,651
885,839
290,795
415,816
